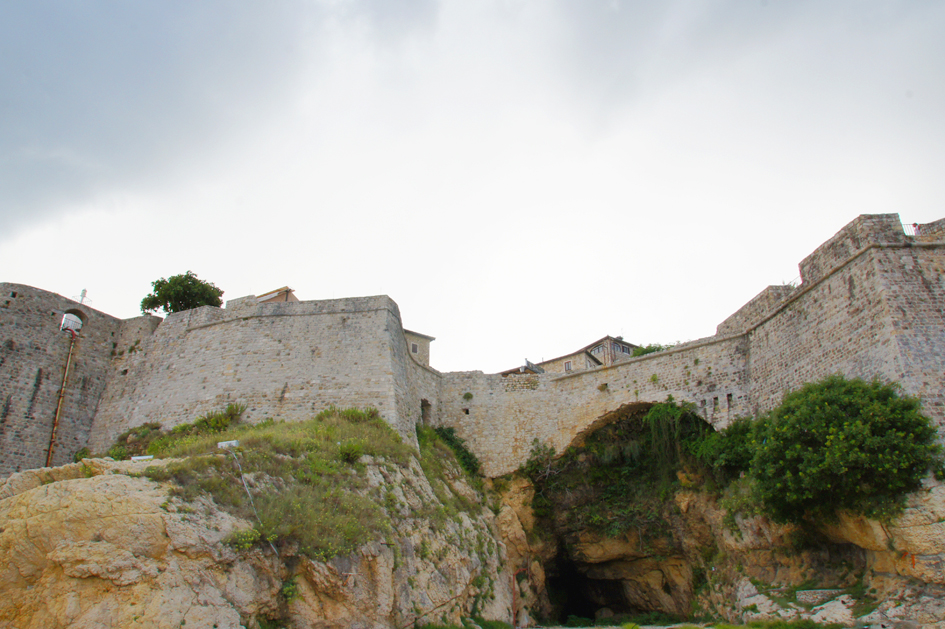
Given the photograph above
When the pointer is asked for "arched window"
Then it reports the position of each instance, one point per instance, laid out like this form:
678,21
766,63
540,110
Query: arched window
73,320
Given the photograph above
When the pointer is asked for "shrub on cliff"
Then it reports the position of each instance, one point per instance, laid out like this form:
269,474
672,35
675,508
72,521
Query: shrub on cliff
468,460
841,444
728,452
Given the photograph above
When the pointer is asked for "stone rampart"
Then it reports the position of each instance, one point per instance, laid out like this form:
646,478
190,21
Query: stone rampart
758,309
507,413
865,231
282,360
870,304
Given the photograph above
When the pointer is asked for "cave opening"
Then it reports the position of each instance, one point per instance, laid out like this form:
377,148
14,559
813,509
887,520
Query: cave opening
573,593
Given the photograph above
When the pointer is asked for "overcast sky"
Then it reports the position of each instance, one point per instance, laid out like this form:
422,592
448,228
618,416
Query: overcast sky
521,176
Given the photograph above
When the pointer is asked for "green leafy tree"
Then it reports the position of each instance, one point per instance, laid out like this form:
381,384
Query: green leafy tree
841,444
181,292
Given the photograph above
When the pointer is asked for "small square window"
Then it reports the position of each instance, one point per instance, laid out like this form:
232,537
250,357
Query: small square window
414,348
567,365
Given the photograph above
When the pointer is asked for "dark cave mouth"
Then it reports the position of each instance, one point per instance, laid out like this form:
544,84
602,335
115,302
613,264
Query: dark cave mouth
573,593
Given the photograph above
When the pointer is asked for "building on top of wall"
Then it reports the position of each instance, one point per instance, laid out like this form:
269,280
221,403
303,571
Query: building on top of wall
419,345
601,353
284,294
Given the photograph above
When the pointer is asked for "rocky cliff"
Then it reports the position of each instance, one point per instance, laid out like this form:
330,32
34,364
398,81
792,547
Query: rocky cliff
708,563
133,544
97,545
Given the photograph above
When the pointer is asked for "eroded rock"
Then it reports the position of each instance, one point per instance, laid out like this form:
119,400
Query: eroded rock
81,546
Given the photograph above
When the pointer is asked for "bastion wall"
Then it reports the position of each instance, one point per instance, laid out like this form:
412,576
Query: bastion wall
287,360
870,304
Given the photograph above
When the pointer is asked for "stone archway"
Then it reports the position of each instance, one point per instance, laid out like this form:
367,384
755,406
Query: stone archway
621,412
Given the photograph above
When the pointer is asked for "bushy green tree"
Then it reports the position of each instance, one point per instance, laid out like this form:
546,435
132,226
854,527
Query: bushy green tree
841,444
181,292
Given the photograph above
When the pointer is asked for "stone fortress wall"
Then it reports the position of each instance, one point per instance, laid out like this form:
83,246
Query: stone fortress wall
282,360
870,304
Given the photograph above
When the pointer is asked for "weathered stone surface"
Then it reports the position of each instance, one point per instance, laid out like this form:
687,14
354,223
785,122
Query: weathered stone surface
114,551
869,305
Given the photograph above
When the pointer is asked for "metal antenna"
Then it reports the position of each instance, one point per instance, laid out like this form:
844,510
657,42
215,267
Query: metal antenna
82,298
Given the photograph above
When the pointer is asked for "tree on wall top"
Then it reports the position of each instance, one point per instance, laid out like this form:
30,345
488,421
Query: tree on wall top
181,292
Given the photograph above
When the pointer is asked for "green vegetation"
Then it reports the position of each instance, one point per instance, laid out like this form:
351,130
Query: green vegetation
623,475
181,292
780,624
435,459
152,439
243,539
306,484
467,459
727,452
841,444
483,623
302,483
649,349
290,589
491,624
834,445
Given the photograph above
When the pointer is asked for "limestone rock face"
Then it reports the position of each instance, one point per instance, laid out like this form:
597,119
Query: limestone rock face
106,552
112,550
706,559
526,555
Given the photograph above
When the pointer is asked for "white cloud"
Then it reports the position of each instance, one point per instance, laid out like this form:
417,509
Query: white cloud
522,177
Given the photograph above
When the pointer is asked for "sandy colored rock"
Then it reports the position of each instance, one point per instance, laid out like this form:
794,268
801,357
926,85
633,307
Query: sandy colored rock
595,549
107,550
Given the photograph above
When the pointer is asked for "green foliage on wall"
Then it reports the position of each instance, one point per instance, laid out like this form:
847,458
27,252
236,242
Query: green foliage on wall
841,444
623,475
728,452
